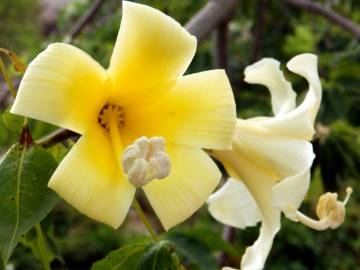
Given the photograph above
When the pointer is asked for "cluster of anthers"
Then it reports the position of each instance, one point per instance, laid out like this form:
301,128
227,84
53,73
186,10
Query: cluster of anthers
146,160
330,211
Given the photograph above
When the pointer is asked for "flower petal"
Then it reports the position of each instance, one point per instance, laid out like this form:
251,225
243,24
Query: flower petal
90,179
151,52
234,205
267,72
240,165
199,111
290,192
63,86
192,179
286,160
299,123
280,156
255,256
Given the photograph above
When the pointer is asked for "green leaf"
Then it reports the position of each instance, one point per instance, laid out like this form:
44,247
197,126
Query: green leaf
12,121
25,198
303,40
160,256
125,258
141,256
31,240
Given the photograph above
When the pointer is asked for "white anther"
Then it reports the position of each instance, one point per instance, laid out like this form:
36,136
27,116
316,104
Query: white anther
131,153
138,172
330,211
146,160
143,144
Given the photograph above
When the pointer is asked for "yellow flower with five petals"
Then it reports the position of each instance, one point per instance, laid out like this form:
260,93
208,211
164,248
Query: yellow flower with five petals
142,93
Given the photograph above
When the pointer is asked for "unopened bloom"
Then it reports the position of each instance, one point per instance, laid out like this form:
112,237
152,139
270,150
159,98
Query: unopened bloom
142,95
271,159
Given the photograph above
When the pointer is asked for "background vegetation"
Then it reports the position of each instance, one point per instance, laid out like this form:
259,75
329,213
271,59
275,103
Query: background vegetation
257,29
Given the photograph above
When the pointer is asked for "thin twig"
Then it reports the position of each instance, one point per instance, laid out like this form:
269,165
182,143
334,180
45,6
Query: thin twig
221,46
259,29
228,235
327,13
84,20
207,19
55,137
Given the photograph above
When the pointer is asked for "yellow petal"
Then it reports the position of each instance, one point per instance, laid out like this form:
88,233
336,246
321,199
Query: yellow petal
242,166
63,86
267,72
152,51
299,123
90,179
234,205
192,179
199,111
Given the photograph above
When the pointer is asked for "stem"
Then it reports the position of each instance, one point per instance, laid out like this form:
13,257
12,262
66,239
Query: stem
144,220
329,14
44,255
7,78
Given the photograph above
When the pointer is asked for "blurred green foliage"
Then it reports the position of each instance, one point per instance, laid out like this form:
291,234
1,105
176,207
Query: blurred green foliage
78,242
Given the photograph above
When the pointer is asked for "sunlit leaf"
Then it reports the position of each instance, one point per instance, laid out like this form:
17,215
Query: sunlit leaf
12,121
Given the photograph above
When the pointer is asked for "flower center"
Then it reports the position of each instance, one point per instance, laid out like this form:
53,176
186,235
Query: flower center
111,112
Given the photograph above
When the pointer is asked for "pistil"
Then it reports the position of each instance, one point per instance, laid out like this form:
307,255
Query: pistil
111,118
330,211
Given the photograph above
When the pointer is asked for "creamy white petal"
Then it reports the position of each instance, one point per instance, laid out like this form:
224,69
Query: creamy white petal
298,123
290,192
255,256
234,205
280,157
267,72
240,165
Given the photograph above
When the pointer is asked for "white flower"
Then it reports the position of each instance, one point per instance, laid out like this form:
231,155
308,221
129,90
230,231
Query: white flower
271,157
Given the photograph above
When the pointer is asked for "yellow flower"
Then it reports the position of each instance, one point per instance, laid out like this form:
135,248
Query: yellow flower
271,158
142,93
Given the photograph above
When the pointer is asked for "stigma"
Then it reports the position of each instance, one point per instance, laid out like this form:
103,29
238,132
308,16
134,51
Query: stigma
146,160
109,113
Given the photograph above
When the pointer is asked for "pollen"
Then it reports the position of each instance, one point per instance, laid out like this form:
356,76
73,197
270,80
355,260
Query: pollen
108,112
